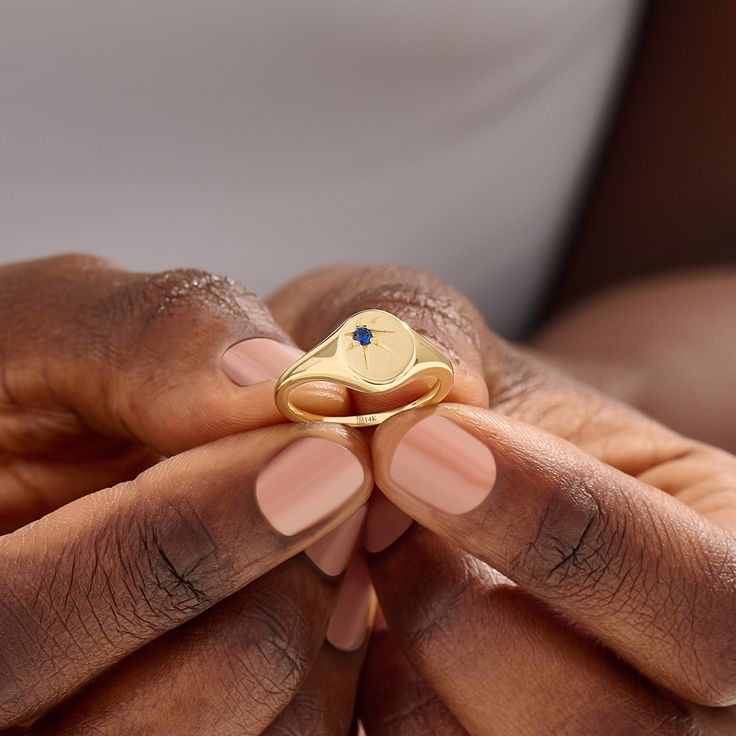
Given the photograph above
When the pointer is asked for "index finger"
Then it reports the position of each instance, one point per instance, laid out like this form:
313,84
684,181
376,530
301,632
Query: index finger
93,581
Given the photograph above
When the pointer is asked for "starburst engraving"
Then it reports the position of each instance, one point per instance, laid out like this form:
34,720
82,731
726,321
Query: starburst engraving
382,347
365,334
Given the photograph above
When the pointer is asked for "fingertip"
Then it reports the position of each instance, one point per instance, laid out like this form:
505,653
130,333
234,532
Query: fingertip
469,388
332,553
316,476
432,462
256,364
353,616
322,398
258,359
223,411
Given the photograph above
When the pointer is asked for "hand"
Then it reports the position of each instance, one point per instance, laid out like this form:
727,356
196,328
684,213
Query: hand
605,528
103,371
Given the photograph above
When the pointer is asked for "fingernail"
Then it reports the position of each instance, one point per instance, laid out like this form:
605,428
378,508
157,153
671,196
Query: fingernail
259,359
307,482
443,465
354,609
332,553
384,524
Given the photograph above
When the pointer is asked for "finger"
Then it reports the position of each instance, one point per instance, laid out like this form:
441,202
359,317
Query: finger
95,580
325,705
633,565
169,360
230,671
394,700
502,662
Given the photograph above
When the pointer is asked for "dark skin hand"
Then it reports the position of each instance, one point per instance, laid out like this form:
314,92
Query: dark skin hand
82,416
592,590
591,647
166,603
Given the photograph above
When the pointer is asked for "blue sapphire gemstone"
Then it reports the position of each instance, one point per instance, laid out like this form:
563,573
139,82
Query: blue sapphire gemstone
363,335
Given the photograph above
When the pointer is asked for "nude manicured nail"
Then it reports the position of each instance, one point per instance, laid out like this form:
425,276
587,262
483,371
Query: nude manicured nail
354,609
332,553
259,359
442,464
384,524
307,482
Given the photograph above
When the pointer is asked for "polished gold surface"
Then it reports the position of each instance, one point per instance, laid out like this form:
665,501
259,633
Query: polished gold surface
374,352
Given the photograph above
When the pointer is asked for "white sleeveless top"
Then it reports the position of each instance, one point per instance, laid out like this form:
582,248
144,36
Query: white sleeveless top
264,137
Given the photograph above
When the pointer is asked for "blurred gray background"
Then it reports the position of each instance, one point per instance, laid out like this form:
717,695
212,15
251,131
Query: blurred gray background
260,139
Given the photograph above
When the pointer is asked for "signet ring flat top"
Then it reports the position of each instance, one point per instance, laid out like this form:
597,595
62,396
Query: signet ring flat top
373,352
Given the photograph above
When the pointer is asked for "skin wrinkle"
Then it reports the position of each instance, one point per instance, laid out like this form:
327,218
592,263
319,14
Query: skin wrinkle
565,540
416,296
168,292
432,620
21,702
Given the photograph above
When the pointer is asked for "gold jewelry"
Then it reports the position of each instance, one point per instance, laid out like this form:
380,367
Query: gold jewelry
374,352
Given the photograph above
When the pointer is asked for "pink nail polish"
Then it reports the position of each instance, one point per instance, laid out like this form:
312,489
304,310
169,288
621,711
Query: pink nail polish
259,359
307,482
354,609
332,552
384,524
443,465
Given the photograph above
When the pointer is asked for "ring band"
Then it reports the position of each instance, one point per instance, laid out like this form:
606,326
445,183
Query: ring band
374,352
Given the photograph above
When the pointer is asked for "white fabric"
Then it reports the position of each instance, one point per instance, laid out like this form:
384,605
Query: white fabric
264,137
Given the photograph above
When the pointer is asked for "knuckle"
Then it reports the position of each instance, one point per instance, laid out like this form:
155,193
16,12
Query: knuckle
573,543
429,304
161,567
190,298
431,624
102,592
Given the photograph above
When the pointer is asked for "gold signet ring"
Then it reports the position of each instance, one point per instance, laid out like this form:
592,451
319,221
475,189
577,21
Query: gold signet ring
373,352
